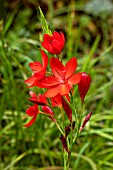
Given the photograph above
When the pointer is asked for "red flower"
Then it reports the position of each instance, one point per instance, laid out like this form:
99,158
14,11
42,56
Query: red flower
40,100
55,43
38,69
33,111
48,111
63,79
56,101
84,85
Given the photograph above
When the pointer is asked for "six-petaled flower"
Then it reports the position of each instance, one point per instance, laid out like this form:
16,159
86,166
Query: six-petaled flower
39,70
63,77
33,111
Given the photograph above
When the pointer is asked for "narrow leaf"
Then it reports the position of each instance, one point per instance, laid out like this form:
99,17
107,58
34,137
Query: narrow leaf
45,27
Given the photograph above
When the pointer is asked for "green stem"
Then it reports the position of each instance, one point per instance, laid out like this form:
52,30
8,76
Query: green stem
59,128
66,160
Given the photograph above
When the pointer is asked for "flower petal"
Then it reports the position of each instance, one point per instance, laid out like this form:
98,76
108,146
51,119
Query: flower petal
44,58
56,101
33,95
47,37
36,101
63,39
51,92
57,36
56,46
49,81
35,66
71,67
40,74
32,110
30,80
42,98
57,67
47,46
31,121
65,89
74,79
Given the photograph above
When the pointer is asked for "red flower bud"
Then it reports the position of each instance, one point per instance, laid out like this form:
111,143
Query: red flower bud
68,128
87,118
84,85
67,109
64,143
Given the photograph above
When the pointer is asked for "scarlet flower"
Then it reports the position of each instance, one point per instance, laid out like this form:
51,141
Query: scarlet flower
40,100
55,43
84,85
33,111
38,69
56,101
63,77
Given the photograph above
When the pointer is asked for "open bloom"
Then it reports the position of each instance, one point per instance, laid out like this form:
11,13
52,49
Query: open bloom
33,111
84,85
55,43
38,69
63,77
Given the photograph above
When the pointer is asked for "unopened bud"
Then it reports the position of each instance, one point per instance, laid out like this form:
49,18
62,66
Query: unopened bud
87,118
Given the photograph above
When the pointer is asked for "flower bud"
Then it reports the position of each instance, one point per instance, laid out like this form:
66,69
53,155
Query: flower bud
84,85
87,118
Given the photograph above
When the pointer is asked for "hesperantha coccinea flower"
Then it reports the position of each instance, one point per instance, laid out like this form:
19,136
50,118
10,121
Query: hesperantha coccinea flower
58,81
55,43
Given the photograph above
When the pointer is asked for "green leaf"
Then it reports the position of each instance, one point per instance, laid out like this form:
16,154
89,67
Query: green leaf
45,27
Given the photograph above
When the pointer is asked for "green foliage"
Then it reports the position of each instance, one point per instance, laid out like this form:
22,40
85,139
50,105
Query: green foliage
39,146
45,28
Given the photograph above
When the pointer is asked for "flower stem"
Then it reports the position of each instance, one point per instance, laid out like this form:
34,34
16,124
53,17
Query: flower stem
59,128
66,160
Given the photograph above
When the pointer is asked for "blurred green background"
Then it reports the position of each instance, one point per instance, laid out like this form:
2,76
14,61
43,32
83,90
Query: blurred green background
88,28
